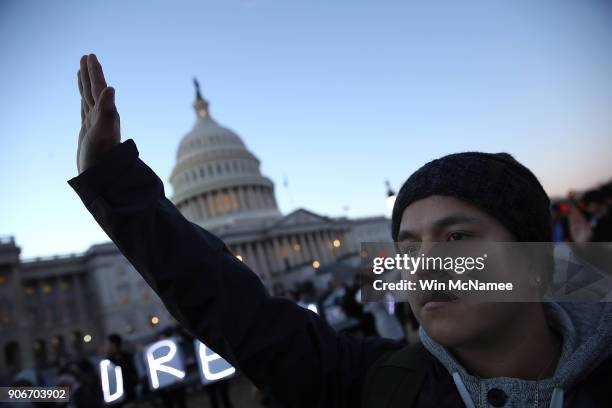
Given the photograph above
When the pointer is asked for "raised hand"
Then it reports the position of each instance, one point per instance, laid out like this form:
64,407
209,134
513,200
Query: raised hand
580,229
99,116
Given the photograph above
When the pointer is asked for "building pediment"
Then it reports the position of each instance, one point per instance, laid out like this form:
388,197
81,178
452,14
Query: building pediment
301,217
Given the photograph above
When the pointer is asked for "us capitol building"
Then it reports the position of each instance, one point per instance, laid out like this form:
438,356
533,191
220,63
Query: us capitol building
62,306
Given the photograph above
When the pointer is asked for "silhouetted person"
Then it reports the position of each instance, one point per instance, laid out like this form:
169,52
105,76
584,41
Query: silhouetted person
125,359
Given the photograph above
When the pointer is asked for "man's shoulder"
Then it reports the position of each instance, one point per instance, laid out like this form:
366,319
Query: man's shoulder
404,357
397,375
593,389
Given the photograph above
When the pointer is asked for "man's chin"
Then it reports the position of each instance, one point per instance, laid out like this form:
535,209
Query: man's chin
446,326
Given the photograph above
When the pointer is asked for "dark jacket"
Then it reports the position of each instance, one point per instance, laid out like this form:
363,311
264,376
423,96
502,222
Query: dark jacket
283,348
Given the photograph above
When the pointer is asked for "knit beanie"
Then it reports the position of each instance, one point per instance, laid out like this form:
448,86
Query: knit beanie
494,182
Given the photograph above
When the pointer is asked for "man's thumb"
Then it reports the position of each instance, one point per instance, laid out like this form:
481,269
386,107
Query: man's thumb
107,100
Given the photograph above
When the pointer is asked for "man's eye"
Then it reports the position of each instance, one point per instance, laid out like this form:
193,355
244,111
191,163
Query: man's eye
457,236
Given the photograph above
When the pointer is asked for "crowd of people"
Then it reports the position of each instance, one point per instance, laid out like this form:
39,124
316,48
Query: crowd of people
82,377
585,217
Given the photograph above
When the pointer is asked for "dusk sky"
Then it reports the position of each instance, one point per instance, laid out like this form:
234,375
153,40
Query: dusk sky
334,96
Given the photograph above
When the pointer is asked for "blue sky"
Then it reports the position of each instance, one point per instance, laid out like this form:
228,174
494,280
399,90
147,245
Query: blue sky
336,96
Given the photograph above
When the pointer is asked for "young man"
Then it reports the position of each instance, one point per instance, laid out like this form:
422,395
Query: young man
474,355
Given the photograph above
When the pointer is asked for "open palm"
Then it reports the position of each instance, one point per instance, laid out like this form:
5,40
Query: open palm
580,229
99,116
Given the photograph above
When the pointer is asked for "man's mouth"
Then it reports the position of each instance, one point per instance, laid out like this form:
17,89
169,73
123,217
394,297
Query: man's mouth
437,298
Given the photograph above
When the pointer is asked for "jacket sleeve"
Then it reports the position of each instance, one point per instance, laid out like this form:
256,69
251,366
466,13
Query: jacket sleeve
283,348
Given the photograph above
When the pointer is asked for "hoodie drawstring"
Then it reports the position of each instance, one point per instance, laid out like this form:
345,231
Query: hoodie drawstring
463,392
556,401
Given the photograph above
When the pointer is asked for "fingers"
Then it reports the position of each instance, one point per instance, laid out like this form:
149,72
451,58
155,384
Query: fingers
107,100
96,76
580,229
107,117
84,106
83,130
85,83
575,215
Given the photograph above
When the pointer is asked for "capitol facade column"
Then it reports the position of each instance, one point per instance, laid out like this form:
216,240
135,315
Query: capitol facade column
271,256
329,241
307,255
204,205
250,196
209,204
213,203
241,201
263,260
277,254
259,196
251,259
314,250
324,248
299,254
196,207
184,209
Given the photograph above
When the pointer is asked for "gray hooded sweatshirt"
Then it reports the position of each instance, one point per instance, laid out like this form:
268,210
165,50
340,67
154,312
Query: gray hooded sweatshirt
587,341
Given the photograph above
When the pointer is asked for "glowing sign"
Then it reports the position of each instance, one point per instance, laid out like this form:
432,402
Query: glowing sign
112,379
165,363
165,366
212,366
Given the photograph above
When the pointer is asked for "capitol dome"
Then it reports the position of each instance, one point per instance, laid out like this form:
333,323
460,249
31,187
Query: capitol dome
217,181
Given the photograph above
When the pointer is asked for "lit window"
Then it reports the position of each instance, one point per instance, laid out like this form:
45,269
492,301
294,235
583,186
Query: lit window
37,345
236,200
228,201
218,205
208,204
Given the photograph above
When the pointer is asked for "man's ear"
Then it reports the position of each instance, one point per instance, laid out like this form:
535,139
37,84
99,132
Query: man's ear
540,257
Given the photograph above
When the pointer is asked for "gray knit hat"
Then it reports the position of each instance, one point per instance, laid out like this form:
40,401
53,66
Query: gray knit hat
494,182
